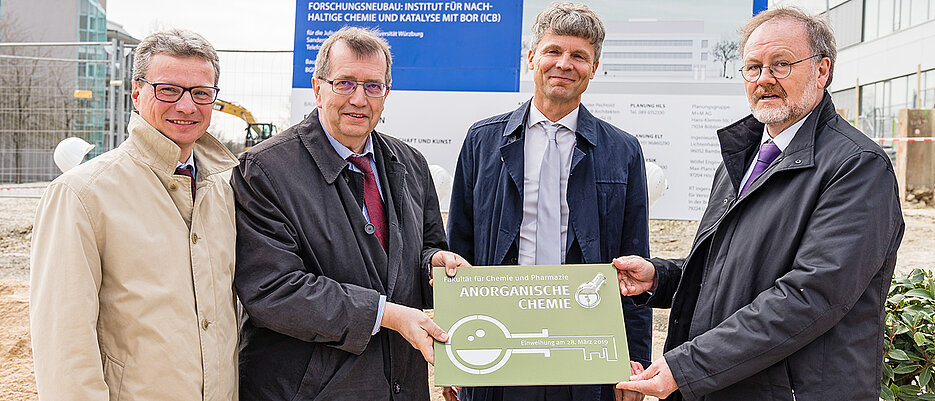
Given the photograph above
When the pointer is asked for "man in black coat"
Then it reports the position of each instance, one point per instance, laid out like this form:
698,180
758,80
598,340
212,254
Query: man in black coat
337,227
781,296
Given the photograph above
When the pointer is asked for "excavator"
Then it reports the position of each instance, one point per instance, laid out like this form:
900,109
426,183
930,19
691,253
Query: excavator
256,132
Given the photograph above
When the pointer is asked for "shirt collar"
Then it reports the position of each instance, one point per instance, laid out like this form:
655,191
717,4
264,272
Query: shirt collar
342,150
785,137
190,163
570,120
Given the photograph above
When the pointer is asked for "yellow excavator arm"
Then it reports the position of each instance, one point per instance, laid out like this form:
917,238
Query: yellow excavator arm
260,131
234,109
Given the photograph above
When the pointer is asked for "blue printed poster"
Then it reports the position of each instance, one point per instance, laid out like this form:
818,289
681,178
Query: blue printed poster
437,46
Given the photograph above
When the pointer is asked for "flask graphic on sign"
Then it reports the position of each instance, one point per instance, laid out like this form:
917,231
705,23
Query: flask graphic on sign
588,294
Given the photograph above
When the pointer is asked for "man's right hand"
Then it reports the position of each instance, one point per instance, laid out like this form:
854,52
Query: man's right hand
415,326
635,275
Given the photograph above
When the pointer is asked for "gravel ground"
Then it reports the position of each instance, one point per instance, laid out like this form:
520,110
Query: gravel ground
668,239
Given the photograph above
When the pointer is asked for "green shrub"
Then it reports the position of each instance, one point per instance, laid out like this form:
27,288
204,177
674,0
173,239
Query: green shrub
909,346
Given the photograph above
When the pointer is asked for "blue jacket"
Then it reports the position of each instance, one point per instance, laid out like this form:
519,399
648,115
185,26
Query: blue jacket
607,216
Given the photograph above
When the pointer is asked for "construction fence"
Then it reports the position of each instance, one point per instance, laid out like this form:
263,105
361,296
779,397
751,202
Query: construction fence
51,91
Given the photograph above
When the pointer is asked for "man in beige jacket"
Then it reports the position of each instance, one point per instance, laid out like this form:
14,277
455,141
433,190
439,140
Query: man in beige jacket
132,259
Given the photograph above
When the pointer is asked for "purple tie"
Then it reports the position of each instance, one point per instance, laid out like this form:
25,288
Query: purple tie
768,153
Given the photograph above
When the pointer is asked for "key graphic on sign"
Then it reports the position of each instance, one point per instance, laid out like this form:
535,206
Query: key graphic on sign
480,344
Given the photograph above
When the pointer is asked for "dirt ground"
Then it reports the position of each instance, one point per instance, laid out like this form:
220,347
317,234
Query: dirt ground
668,238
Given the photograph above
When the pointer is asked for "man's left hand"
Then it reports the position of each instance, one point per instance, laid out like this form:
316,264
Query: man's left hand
656,381
450,261
416,327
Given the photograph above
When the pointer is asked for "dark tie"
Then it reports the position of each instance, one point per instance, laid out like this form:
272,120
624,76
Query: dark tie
768,153
187,171
372,199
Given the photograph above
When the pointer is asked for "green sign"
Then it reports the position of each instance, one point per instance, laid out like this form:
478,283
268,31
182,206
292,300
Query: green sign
530,325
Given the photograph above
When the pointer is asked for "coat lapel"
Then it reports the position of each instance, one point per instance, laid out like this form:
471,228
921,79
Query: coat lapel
511,183
331,165
740,141
582,190
393,173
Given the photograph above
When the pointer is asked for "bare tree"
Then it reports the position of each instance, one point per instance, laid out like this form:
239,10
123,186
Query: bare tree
36,109
726,51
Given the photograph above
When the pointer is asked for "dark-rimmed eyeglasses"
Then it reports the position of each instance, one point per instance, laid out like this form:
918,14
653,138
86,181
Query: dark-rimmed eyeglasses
779,70
171,93
347,87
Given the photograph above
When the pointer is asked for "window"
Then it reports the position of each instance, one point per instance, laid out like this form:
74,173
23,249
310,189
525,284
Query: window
846,21
647,55
648,42
649,67
871,20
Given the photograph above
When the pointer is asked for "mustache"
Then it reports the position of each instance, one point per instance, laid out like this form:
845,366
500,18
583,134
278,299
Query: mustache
774,89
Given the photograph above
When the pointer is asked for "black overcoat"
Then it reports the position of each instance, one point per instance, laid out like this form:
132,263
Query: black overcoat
309,272
782,294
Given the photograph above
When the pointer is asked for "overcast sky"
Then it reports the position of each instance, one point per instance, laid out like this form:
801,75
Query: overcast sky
228,24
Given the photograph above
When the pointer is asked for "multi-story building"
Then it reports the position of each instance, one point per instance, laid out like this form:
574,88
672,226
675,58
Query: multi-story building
664,49
642,50
59,67
885,62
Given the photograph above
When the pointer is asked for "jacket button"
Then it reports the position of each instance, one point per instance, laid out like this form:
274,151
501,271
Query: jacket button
369,229
194,238
798,161
513,261
204,324
396,387
173,186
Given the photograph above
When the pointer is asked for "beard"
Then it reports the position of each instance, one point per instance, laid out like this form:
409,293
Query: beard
789,111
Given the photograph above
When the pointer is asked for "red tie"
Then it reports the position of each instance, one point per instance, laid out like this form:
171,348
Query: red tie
186,171
372,198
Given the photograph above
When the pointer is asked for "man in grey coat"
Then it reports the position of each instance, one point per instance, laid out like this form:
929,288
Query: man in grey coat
337,227
781,296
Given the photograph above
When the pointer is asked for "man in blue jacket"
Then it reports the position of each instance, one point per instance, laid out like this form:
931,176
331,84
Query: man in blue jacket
550,184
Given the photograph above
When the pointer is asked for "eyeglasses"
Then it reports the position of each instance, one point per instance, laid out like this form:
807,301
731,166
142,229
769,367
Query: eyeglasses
171,93
347,87
779,69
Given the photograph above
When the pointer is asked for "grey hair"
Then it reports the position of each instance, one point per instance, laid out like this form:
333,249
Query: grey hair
820,35
175,43
361,41
564,18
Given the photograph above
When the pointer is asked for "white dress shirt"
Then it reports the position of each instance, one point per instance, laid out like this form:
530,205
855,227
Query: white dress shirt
782,141
190,163
534,148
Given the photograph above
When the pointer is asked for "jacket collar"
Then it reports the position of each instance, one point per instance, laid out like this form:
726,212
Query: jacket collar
331,164
739,142
515,125
154,149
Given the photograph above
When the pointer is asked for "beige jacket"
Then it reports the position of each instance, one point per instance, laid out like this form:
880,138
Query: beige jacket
132,286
